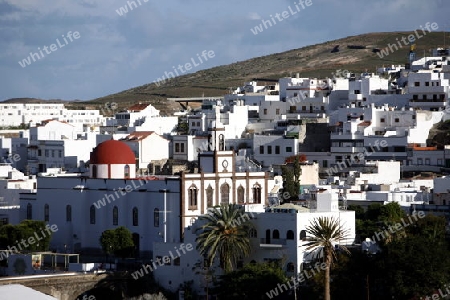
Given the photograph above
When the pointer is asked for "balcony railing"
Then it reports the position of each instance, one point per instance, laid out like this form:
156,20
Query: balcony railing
273,242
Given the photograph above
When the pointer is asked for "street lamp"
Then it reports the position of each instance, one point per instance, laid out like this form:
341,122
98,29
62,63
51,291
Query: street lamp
165,191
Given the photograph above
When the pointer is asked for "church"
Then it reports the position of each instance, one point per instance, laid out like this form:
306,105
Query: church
154,208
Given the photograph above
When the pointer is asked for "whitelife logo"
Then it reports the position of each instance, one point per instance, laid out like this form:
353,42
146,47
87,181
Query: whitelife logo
123,10
280,17
187,67
162,261
35,56
411,39
48,230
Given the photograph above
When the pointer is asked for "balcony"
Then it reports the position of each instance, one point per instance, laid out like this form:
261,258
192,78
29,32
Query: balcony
345,149
272,243
347,135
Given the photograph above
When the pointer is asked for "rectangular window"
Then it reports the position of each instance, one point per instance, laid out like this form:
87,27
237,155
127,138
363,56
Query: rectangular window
427,83
39,152
277,111
415,97
288,149
261,149
177,147
277,149
420,161
59,153
269,149
397,120
182,147
382,120
53,153
417,83
46,153
427,161
265,111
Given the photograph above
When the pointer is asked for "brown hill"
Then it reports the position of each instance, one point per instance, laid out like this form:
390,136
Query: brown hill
315,61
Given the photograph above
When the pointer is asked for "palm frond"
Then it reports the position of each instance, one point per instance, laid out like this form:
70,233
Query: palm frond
224,235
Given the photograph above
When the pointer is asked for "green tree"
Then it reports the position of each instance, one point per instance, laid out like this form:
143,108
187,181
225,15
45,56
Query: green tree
289,185
107,241
417,264
291,179
225,234
182,127
252,281
359,211
11,235
297,168
324,233
117,241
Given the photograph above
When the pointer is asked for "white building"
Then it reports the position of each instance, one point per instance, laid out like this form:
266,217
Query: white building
428,90
149,148
134,115
16,114
58,145
279,235
12,183
83,207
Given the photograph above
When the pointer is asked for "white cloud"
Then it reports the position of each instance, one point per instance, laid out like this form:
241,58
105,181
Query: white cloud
254,16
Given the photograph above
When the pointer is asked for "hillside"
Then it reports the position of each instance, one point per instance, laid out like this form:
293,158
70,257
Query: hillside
315,61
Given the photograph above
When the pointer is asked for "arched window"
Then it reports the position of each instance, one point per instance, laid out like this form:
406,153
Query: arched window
290,267
135,216
290,235
241,194
253,233
126,171
92,214
221,143
192,195
46,213
94,171
256,193
303,235
156,217
209,196
115,215
68,213
225,194
29,211
275,234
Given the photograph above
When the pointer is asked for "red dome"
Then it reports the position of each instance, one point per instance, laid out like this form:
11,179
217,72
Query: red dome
112,152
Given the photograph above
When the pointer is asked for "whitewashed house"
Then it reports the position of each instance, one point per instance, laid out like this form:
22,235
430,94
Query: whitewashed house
279,235
149,148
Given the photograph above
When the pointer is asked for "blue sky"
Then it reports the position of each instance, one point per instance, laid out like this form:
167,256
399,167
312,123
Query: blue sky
114,53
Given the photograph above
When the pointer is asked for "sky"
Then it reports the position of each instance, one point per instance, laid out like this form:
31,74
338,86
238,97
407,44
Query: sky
85,49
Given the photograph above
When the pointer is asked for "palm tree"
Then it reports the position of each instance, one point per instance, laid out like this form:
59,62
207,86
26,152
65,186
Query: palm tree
324,232
226,234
